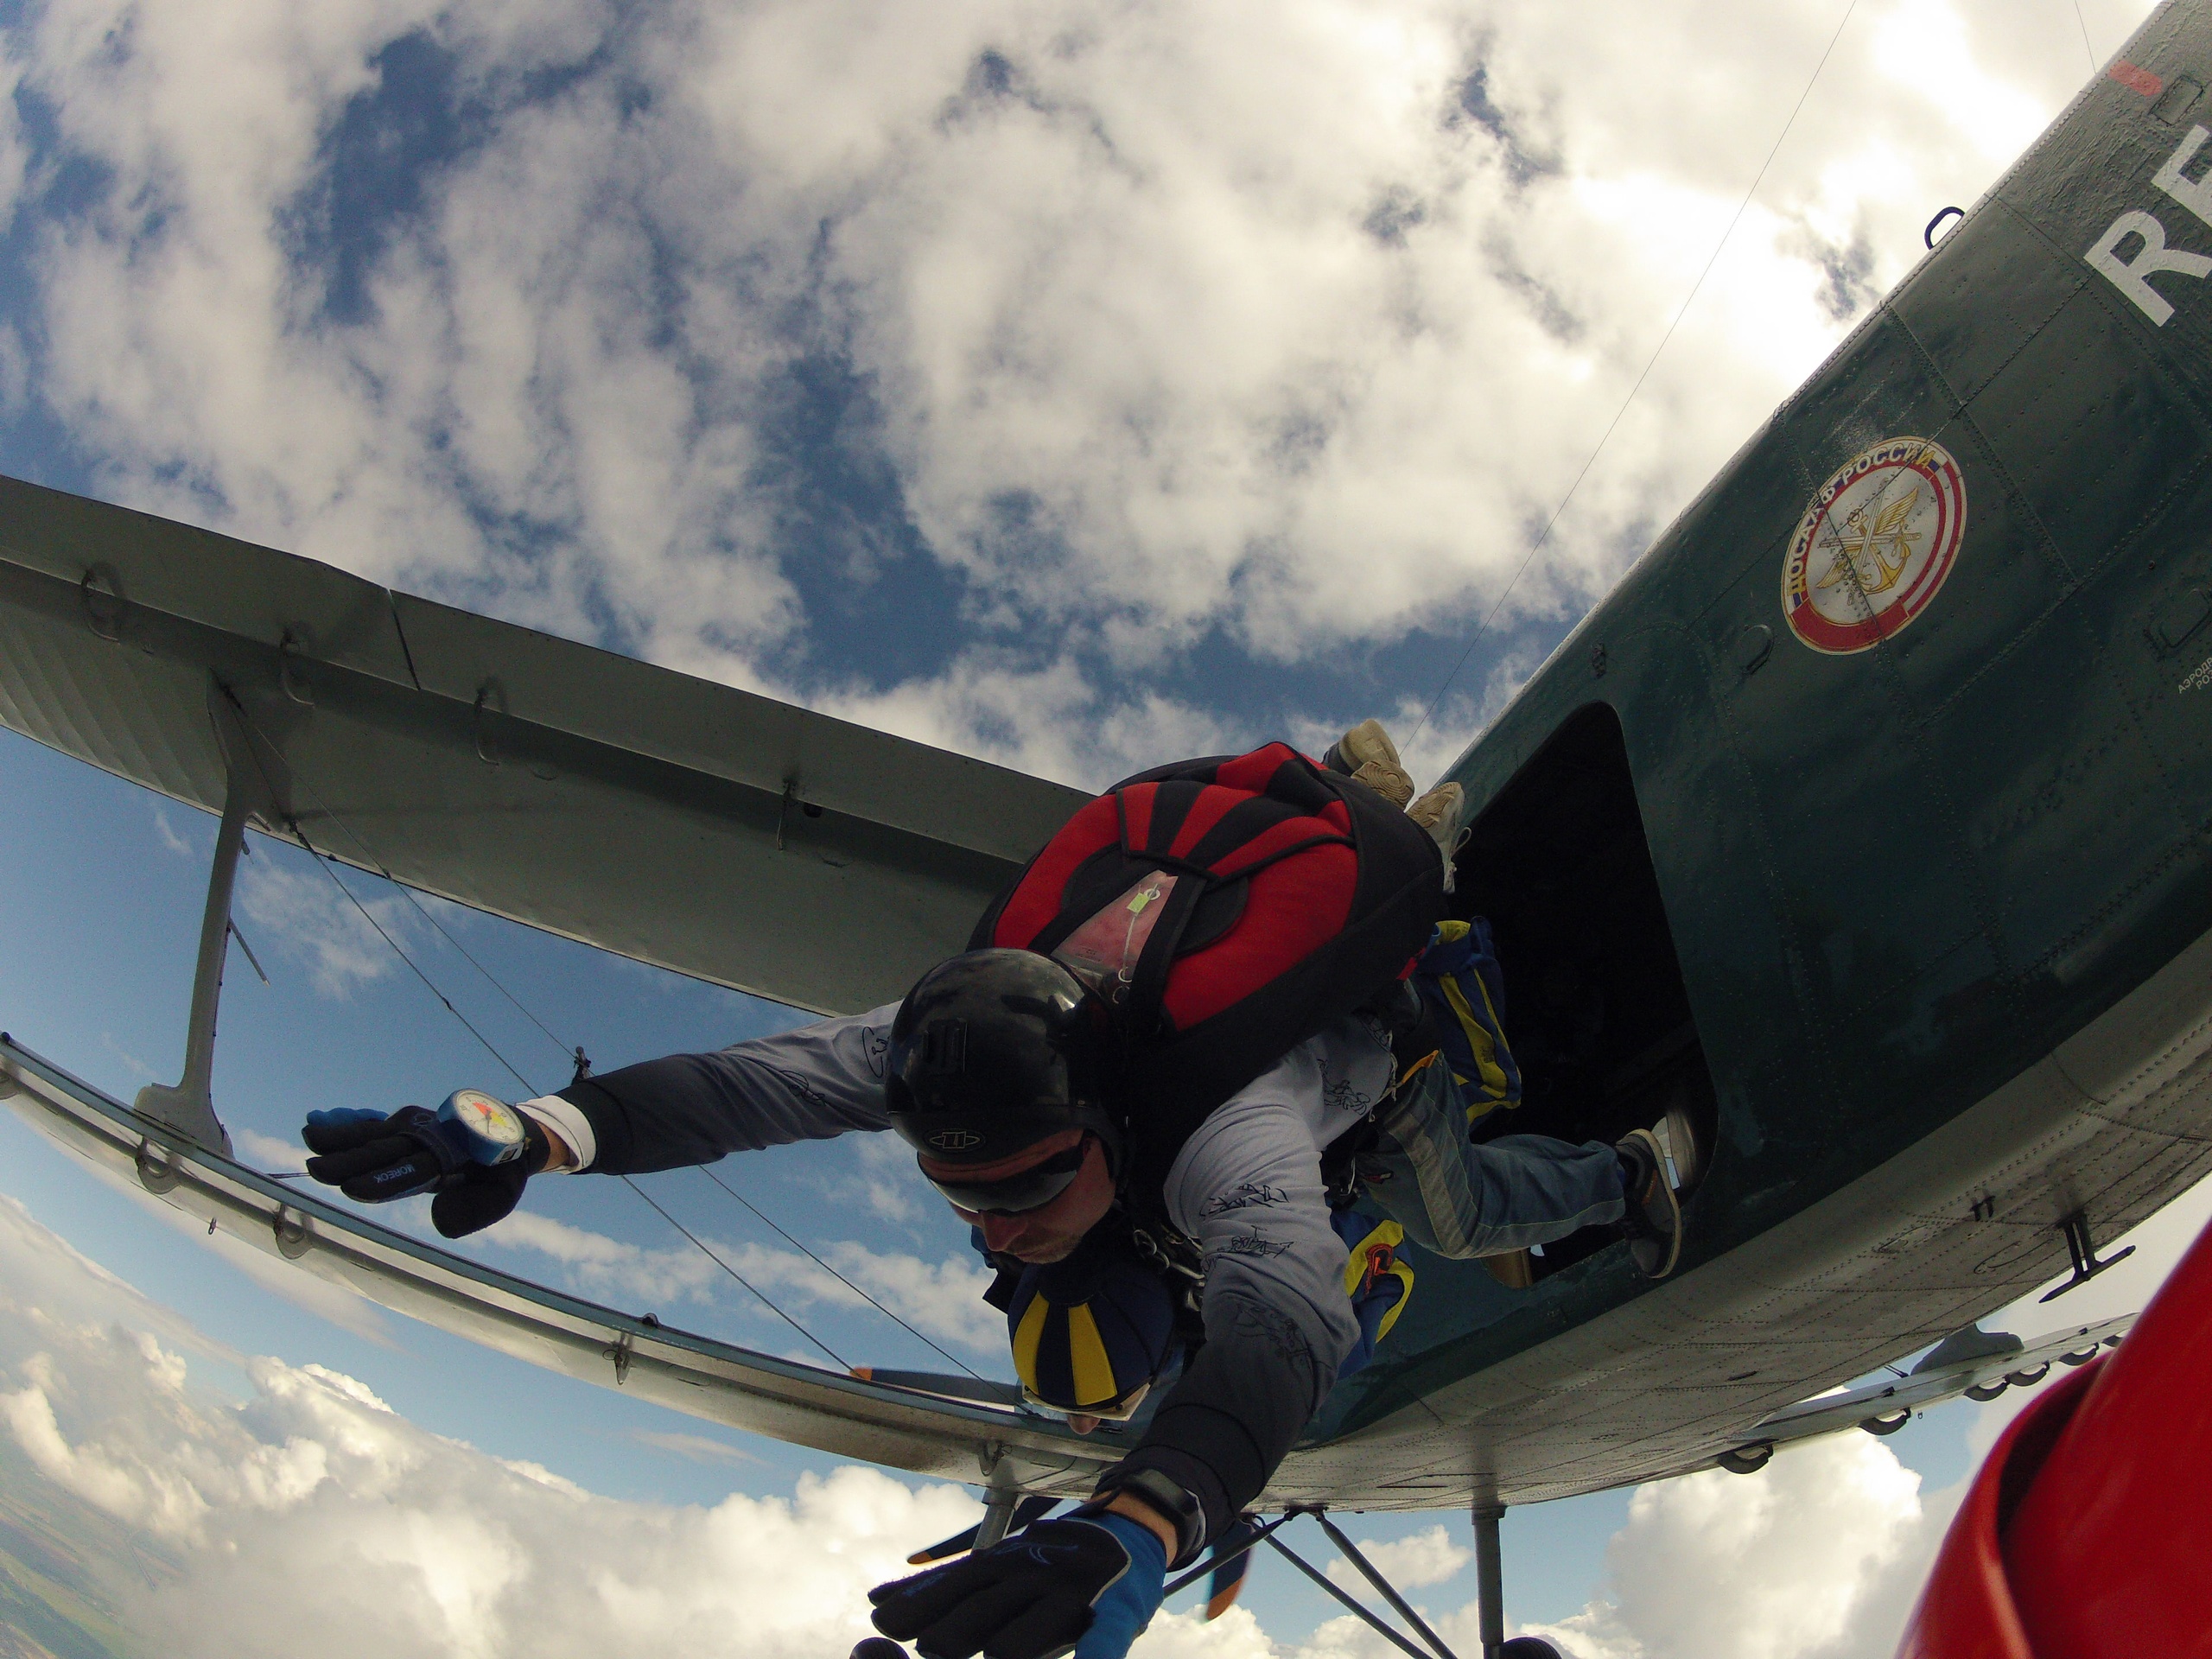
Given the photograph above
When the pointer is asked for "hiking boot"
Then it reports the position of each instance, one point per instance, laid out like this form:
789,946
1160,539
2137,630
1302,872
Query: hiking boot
1365,755
1653,1222
1438,812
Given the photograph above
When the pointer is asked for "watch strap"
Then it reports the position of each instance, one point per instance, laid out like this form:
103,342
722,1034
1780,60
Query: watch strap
1160,1495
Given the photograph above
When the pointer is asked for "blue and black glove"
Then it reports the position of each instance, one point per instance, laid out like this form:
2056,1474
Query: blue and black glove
1090,1579
374,1159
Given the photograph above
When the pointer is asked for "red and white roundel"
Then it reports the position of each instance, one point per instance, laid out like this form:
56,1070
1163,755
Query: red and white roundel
1875,545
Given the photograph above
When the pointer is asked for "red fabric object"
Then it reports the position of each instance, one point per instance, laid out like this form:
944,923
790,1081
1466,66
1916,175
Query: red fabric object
1270,820
2110,1551
1035,900
1295,895
1296,907
2088,1535
1967,1611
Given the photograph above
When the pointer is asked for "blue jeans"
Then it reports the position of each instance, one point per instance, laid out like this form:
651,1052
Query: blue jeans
1460,1199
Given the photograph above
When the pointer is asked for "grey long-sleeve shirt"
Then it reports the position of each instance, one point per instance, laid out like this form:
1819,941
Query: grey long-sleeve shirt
1246,1187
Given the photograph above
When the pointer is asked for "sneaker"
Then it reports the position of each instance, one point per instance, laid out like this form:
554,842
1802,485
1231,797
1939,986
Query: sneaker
1439,812
1685,1156
1366,755
1653,1223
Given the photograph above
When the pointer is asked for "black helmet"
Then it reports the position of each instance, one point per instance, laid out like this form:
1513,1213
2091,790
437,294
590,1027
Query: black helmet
994,1051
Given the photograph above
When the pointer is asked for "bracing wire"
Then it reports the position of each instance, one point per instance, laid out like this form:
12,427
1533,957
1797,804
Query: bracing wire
759,1215
413,967
566,1050
739,1277
2088,51
328,867
532,1088
378,866
1681,311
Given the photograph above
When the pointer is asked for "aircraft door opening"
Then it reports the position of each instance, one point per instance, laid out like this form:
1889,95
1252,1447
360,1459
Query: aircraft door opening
1595,1007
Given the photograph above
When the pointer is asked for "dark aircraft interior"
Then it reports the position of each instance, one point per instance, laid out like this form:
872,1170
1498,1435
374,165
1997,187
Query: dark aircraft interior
1595,1007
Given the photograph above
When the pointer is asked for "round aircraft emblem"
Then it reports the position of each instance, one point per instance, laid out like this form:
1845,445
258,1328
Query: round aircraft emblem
1875,545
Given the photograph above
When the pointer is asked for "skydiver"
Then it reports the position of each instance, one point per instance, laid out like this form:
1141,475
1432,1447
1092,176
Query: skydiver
1001,1068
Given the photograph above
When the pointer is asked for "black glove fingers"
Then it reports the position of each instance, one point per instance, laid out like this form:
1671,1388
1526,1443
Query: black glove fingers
390,1179
475,1205
1051,1625
975,1624
914,1603
340,1137
364,1155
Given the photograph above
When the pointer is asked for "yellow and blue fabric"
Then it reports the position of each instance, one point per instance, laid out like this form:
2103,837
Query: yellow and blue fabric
1090,1333
1459,978
1377,1278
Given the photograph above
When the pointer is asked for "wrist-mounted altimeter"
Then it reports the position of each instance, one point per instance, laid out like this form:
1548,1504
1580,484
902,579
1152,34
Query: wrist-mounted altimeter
482,1127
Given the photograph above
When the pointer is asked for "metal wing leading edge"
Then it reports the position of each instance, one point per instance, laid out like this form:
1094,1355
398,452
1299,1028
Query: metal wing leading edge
1005,1448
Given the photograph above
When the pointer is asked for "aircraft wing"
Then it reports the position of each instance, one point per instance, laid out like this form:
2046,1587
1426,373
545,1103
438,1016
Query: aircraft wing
688,824
1883,1407
968,1441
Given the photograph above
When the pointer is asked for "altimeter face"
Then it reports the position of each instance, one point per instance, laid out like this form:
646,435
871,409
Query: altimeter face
492,1118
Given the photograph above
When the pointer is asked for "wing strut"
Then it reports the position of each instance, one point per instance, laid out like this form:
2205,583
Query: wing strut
187,1105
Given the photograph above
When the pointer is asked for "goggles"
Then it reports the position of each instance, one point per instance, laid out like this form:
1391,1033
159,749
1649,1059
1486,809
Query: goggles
1013,1195
1113,1411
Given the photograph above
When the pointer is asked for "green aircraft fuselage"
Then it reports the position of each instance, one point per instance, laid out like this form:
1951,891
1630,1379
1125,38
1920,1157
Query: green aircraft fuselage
1890,765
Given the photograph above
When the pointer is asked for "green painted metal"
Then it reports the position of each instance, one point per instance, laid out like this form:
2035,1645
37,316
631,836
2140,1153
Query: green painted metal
1896,878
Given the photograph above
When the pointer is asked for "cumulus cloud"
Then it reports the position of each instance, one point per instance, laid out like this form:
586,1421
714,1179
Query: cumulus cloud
1287,325
1819,1557
14,154
267,1152
1807,1559
310,921
310,1516
1428,1557
307,1513
942,1299
169,838
885,1183
131,1063
695,1447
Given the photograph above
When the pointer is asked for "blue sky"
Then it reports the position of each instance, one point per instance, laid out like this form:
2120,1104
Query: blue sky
1074,384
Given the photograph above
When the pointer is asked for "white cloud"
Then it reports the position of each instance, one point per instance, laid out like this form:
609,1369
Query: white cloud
1290,321
46,1280
886,1183
1819,1558
1785,1563
312,923
169,838
40,1274
131,1063
15,372
943,1299
15,154
313,1517
265,1504
695,1447
266,1152
612,1269
1427,1557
